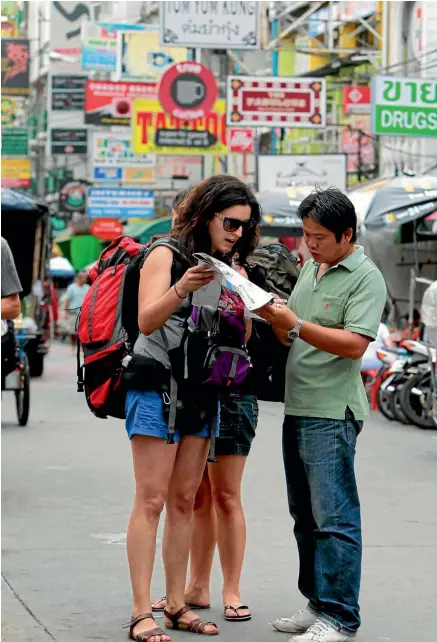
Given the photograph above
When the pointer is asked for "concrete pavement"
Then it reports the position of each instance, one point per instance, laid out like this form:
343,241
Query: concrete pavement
67,489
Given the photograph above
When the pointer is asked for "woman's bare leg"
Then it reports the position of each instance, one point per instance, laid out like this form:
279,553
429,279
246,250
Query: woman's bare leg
225,478
153,461
203,544
184,483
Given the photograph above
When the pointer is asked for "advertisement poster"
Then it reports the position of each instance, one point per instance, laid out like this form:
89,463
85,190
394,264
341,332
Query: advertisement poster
11,108
100,43
260,101
109,104
68,93
68,141
141,57
16,172
120,203
359,149
281,171
211,25
12,16
155,132
15,67
15,141
114,160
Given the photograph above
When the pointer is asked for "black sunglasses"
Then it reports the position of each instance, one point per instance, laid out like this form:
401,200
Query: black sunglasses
234,224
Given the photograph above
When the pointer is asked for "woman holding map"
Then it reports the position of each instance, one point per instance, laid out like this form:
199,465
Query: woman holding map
219,217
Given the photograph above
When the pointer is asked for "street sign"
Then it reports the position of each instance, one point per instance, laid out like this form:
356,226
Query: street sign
106,229
187,90
68,141
404,106
265,101
68,93
356,99
120,203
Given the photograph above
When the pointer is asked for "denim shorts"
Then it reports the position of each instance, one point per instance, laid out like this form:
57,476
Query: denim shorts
238,421
144,416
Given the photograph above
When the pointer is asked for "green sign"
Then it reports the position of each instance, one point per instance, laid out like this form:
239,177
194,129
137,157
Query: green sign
404,106
15,141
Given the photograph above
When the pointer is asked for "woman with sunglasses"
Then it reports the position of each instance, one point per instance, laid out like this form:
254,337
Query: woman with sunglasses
218,217
218,510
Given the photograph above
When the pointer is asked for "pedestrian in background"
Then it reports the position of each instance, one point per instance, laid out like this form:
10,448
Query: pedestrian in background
74,297
332,315
218,217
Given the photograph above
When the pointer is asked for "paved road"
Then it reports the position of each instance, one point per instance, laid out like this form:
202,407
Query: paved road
67,490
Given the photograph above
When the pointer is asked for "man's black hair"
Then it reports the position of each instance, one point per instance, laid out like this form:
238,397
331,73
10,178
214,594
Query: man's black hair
331,209
179,198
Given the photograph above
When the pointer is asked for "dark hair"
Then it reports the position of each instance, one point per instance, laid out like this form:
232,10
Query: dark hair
179,198
331,209
211,197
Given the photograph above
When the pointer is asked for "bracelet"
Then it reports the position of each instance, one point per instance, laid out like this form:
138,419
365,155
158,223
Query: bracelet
175,289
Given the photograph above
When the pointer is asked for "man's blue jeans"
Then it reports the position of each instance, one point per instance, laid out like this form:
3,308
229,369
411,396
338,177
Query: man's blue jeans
323,500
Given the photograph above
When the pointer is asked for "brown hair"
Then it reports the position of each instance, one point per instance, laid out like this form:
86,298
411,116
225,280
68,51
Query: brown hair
200,205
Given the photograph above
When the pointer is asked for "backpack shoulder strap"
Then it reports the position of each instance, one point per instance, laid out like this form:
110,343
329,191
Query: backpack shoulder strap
181,261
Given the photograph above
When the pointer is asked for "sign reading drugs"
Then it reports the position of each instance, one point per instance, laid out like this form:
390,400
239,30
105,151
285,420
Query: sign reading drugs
255,101
404,106
156,132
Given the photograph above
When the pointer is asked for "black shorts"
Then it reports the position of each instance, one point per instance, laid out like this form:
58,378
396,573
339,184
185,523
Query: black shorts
238,421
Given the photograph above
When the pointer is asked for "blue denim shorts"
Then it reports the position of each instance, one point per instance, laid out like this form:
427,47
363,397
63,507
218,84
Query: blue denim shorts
144,416
238,421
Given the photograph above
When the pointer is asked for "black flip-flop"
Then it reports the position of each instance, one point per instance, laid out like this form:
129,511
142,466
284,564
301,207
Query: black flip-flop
238,617
194,607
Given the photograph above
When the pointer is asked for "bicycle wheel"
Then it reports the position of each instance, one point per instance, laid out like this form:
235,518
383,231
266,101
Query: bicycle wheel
413,399
22,396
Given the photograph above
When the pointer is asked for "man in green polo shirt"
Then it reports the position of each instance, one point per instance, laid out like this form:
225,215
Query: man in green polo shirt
332,315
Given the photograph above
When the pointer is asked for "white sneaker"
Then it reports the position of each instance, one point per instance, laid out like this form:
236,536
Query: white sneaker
321,631
297,623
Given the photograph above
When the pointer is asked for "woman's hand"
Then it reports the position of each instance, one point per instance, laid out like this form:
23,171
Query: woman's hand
194,279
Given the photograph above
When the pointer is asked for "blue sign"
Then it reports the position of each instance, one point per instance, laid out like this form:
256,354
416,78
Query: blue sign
99,44
120,203
112,174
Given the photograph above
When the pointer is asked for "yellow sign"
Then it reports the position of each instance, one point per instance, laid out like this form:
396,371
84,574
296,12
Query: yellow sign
155,132
10,108
16,172
141,57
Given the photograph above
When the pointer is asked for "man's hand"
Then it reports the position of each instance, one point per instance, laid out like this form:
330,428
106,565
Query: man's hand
11,307
278,315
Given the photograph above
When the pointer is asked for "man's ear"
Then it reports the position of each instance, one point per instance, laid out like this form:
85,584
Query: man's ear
347,234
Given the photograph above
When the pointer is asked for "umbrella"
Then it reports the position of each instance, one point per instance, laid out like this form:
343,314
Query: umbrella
401,201
279,209
61,267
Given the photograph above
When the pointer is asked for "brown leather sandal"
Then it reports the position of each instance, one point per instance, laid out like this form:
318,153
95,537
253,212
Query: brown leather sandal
145,635
196,626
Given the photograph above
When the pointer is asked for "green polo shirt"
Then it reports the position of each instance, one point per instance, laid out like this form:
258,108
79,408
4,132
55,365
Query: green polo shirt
350,295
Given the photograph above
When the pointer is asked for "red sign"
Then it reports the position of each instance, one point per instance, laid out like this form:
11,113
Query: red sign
106,229
109,104
276,102
356,99
187,90
241,140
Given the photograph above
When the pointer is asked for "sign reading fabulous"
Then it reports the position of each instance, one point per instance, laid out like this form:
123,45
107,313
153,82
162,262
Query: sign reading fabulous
404,106
211,25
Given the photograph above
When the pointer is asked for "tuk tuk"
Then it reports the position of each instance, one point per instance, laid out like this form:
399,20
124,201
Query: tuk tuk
26,228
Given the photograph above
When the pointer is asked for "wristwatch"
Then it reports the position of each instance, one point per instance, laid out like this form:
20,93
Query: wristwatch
294,332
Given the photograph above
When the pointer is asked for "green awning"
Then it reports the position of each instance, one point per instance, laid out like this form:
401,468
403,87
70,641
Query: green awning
143,232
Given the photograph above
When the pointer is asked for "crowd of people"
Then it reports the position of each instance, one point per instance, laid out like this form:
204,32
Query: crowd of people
330,324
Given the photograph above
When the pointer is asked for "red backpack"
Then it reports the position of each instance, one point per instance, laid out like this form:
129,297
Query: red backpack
108,329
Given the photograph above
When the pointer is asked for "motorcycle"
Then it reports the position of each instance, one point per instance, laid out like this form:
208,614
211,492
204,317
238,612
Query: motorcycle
418,396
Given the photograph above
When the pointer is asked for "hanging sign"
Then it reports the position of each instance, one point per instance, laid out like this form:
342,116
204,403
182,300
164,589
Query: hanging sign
11,108
211,25
15,76
120,203
69,141
68,93
99,44
109,104
15,141
241,140
106,229
187,90
404,106
72,197
141,57
256,101
155,132
356,99
16,172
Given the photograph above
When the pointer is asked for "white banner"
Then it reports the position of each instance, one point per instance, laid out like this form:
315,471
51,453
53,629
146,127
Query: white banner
280,171
211,25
